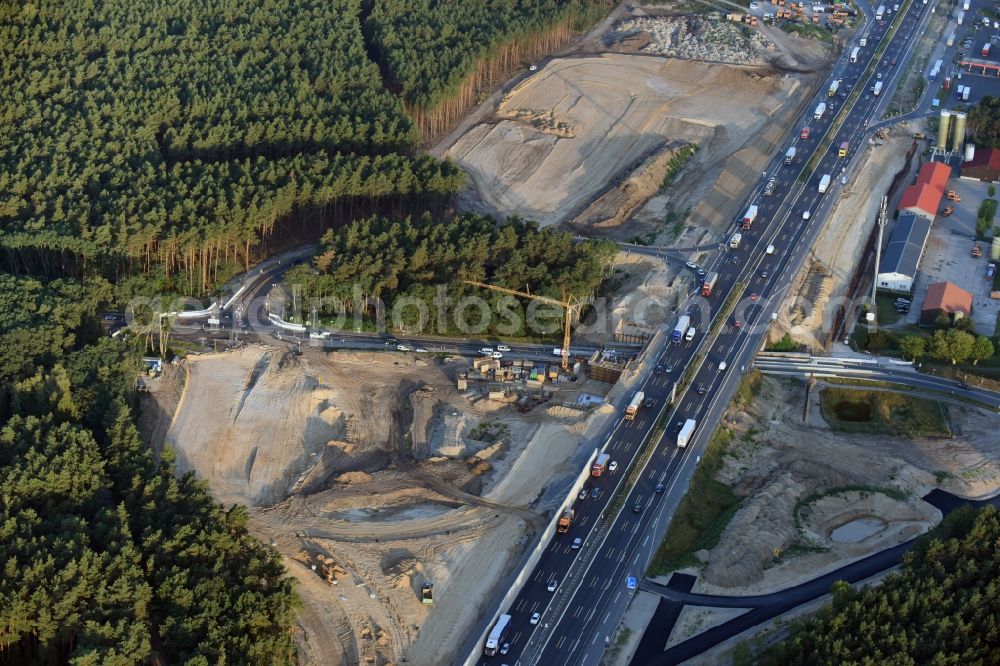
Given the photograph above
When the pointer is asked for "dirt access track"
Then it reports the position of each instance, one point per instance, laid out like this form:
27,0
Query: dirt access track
372,474
585,141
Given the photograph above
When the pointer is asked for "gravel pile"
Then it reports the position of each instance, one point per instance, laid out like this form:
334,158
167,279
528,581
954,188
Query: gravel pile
695,38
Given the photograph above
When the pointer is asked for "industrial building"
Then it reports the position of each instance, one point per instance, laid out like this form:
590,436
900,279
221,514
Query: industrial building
945,298
924,197
899,262
984,166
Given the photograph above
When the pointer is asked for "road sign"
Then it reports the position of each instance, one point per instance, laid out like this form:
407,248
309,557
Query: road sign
630,582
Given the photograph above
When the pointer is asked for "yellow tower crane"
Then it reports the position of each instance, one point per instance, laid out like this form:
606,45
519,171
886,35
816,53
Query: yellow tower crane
570,307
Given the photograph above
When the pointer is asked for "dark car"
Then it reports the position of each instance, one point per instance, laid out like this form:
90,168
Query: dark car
966,385
637,508
658,369
660,488
701,389
595,493
647,403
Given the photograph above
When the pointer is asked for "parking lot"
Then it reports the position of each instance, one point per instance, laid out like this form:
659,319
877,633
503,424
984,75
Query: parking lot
948,258
971,37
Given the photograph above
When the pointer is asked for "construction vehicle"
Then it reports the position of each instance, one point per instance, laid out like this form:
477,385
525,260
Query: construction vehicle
977,251
565,520
749,217
570,305
710,280
600,464
634,405
427,594
951,195
946,211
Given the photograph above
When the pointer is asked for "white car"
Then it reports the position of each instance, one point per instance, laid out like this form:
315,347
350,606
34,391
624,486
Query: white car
496,354
613,466
420,350
722,366
503,348
583,494
691,265
754,5
535,617
553,584
806,215
402,348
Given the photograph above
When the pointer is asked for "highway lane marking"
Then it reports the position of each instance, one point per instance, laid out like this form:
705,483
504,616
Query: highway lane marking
562,639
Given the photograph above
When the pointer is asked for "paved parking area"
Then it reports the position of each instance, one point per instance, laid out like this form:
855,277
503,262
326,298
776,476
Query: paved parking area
948,258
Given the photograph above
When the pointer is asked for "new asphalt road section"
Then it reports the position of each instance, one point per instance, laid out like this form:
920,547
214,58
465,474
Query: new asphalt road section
577,620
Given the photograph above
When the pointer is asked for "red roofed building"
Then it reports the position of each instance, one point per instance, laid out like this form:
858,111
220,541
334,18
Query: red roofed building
921,199
945,298
935,174
924,197
984,166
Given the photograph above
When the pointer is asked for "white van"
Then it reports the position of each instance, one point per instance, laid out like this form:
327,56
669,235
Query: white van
722,366
690,334
503,348
769,250
863,42
486,351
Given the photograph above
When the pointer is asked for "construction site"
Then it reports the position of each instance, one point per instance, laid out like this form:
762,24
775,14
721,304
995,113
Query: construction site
402,489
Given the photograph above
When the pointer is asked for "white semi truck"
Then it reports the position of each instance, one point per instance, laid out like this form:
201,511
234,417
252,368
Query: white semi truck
684,436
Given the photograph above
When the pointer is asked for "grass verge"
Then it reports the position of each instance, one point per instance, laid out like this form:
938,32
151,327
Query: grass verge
708,505
882,412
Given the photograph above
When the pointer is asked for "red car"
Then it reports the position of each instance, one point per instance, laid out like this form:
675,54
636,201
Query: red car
754,297
737,323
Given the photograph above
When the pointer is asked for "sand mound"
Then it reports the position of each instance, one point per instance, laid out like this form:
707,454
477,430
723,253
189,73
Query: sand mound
617,107
354,477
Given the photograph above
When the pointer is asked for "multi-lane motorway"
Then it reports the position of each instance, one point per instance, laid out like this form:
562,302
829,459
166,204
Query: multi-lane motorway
582,614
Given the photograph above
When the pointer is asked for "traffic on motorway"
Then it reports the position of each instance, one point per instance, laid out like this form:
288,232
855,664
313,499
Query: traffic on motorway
573,623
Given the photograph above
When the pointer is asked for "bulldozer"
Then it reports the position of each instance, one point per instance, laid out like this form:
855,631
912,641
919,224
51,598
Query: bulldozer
977,251
948,210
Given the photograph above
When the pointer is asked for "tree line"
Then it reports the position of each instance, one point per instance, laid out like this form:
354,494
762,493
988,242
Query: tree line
392,259
940,608
983,122
243,114
107,556
439,54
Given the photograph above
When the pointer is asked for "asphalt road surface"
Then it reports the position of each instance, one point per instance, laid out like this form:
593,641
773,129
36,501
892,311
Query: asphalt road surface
578,620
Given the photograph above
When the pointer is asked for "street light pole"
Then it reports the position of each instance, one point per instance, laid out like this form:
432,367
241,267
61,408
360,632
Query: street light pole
878,258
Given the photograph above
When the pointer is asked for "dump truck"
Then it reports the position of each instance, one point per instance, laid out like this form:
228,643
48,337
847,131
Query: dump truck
565,520
684,436
634,405
681,328
833,89
844,147
734,242
709,285
820,110
824,183
790,155
427,594
749,217
977,251
946,211
951,195
600,464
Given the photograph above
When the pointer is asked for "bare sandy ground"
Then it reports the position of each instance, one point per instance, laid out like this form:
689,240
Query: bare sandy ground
824,281
566,132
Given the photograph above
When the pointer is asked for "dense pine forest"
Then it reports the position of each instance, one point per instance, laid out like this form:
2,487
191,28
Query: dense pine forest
108,558
163,146
408,259
941,608
173,140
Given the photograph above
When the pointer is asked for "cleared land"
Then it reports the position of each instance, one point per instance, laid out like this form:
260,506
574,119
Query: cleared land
373,475
586,140
812,498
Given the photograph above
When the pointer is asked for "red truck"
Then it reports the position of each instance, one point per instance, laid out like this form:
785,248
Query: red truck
710,280
804,134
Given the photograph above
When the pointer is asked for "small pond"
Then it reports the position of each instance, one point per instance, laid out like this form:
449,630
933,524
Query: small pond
857,530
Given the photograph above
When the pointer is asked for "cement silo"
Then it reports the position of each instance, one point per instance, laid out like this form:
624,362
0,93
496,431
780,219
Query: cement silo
995,249
959,132
970,152
943,127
